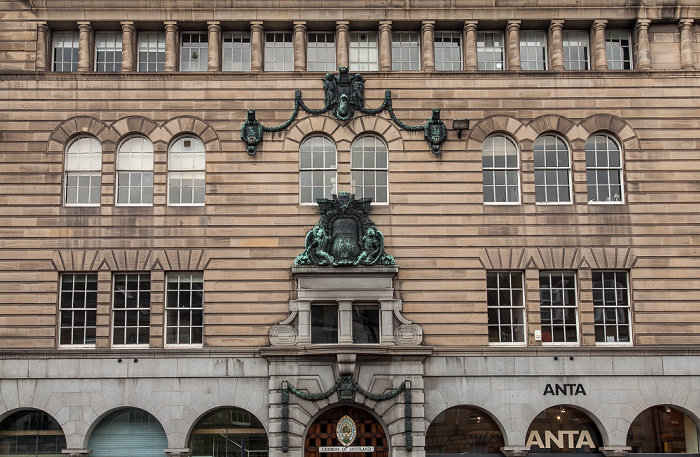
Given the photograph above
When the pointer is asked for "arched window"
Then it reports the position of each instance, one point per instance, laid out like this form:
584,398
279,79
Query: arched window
501,170
129,432
552,170
135,172
32,432
83,171
229,432
563,430
463,430
369,163
603,169
317,169
186,163
663,429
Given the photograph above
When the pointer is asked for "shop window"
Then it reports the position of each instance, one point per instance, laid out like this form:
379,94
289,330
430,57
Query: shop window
506,307
490,51
448,51
194,51
229,432
405,51
184,306
235,54
108,51
663,429
611,307
603,169
135,172
463,430
501,170
151,51
552,170
563,430
78,309
65,51
131,309
31,433
576,50
369,164
558,307
279,51
317,169
533,50
618,47
364,51
83,172
324,324
128,432
320,51
186,163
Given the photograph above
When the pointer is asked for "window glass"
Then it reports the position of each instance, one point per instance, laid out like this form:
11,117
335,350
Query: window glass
575,46
370,169
324,324
31,433
533,50
320,51
186,163
151,51
317,169
501,170
463,430
229,432
506,307
365,324
83,169
611,307
552,170
603,169
235,51
558,307
135,172
448,51
65,51
131,308
663,429
108,51
405,51
78,309
364,51
279,51
618,47
490,51
194,51
563,430
184,303
128,432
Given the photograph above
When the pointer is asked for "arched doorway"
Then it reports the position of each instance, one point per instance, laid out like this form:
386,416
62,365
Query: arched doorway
128,432
322,432
229,432
663,429
463,430
31,432
563,429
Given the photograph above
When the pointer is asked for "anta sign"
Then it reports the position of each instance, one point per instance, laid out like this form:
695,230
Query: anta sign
564,439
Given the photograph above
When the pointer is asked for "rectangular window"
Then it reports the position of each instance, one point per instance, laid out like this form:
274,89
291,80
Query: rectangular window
131,308
279,51
65,51
151,51
558,307
365,324
236,51
448,51
108,51
611,307
575,44
364,51
490,53
324,324
405,51
533,50
194,51
184,306
78,309
506,307
618,47
320,51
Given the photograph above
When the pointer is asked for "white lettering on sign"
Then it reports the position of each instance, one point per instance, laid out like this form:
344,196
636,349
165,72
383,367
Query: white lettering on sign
346,449
563,439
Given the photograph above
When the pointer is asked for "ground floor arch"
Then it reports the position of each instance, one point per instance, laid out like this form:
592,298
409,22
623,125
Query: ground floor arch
663,429
463,429
323,432
228,432
563,429
31,432
128,432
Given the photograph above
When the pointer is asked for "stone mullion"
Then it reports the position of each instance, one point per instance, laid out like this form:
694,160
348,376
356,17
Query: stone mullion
428,39
104,301
532,305
585,307
642,57
171,46
157,339
299,45
343,50
685,26
513,31
42,38
344,321
84,42
470,54
385,46
556,48
214,49
256,46
128,41
599,52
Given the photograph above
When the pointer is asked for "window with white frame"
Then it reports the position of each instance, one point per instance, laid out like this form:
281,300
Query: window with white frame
365,323
618,47
490,51
369,169
448,51
131,309
279,51
135,172
603,169
506,306
65,51
317,169
108,51
501,170
235,53
611,307
320,51
558,307
194,51
552,170
151,51
184,306
78,309
533,50
364,51
405,51
83,171
576,51
186,164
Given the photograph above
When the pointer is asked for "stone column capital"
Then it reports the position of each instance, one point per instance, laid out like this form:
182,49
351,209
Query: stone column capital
299,25
615,451
428,26
385,26
642,24
342,26
127,26
214,26
470,26
513,25
557,24
170,26
42,26
600,24
685,23
84,25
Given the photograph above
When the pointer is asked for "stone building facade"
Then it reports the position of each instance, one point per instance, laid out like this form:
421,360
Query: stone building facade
160,164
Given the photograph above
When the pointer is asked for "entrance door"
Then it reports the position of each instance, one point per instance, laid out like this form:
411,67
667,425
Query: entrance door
322,433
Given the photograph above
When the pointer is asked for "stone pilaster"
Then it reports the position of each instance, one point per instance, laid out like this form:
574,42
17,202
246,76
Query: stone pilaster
600,57
556,47
84,45
685,26
513,37
428,32
299,45
42,38
385,46
344,321
128,63
342,57
470,60
214,51
256,46
643,54
171,46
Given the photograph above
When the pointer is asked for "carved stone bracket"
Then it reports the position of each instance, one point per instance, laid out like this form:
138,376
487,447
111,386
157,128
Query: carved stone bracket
76,452
615,451
515,451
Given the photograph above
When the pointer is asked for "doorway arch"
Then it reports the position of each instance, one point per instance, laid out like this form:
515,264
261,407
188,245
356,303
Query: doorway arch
370,432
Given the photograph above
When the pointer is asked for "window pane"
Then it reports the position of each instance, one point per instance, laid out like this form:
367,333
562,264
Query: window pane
551,170
324,324
317,169
500,170
603,169
558,307
506,308
184,308
365,324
